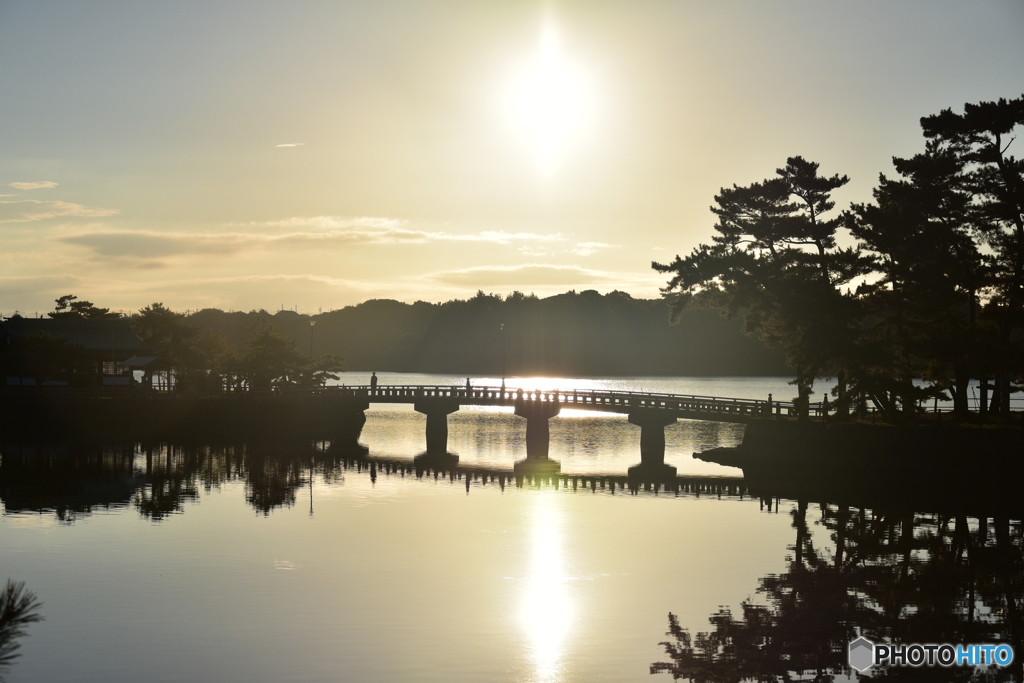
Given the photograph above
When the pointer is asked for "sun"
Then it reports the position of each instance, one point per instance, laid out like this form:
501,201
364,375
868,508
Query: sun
549,103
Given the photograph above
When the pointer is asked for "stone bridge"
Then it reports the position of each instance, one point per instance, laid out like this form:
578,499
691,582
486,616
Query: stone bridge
652,412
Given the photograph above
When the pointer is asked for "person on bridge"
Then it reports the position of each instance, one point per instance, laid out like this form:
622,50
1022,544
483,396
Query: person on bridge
467,384
373,381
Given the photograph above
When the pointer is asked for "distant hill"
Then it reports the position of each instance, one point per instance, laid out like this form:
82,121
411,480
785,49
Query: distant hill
572,334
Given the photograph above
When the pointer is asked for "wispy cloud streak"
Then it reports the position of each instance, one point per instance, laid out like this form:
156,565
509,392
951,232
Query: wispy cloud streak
151,244
522,275
36,185
588,248
31,210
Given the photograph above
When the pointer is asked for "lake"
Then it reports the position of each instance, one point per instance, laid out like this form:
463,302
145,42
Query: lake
289,561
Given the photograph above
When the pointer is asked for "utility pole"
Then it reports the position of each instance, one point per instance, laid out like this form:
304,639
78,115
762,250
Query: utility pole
503,355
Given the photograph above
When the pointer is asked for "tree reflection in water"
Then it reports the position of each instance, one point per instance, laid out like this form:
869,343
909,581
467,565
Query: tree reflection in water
889,576
882,572
157,479
273,472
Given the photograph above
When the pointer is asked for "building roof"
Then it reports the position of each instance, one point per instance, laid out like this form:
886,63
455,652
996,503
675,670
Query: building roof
98,335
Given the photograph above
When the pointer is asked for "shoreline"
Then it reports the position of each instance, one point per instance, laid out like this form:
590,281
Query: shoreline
936,460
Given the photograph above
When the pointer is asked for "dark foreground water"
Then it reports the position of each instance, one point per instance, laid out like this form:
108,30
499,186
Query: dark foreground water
291,561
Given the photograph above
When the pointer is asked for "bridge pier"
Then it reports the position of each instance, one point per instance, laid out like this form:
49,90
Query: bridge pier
437,411
537,414
349,426
652,425
437,461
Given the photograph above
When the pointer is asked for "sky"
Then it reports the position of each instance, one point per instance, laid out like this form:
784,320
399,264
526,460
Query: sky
312,155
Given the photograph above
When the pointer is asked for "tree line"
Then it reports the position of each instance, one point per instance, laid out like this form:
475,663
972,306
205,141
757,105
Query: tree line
206,360
926,281
571,334
194,358
575,334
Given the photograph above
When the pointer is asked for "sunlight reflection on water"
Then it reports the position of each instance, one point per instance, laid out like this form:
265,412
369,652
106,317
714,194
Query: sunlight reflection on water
267,561
547,610
595,443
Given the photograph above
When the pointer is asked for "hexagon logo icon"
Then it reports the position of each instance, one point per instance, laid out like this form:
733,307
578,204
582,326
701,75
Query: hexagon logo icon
862,654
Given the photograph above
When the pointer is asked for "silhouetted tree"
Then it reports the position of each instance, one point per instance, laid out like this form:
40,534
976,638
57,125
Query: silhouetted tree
981,138
923,309
198,360
18,609
776,259
163,329
68,308
940,280
324,368
209,361
271,357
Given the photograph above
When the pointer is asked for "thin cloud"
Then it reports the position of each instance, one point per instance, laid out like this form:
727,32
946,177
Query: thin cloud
503,237
291,144
252,279
121,244
24,286
150,245
36,185
248,292
397,227
588,248
527,274
31,210
153,245
327,223
244,292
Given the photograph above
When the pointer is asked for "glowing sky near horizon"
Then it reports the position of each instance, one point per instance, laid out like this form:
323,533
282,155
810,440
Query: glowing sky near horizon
314,155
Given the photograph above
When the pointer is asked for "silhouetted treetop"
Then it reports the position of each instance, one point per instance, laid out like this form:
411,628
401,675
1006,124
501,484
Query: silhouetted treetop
932,287
18,608
68,308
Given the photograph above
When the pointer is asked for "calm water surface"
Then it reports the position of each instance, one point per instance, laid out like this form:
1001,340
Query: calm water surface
288,561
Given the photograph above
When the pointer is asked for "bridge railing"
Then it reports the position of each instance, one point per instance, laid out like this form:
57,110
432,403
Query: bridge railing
581,397
636,399
743,407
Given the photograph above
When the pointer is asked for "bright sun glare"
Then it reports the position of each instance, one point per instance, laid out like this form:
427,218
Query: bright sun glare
550,103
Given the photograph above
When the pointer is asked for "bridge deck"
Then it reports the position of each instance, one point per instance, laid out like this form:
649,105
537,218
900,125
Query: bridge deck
685,406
